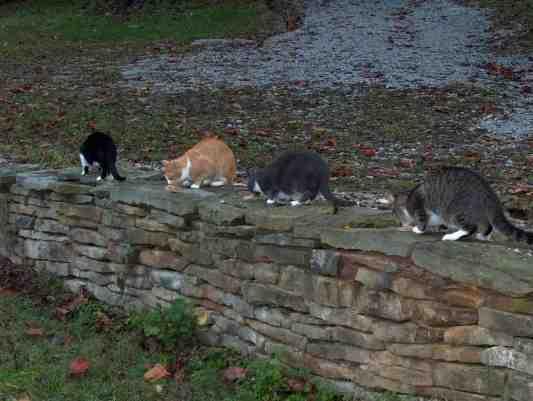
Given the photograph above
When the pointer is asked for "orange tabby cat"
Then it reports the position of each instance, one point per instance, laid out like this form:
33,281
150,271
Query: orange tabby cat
209,162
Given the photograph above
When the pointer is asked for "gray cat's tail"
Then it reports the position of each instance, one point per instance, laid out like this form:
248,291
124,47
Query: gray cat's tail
500,223
326,193
115,174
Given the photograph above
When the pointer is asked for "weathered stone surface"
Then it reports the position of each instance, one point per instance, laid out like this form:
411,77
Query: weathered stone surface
325,368
351,261
111,218
325,262
91,213
485,265
511,323
384,304
129,209
329,291
359,339
162,259
404,375
339,352
469,378
74,222
475,335
87,237
84,263
369,379
373,279
311,332
241,231
436,314
215,278
93,252
166,279
236,268
194,253
453,395
504,357
93,277
282,218
266,273
23,222
407,333
220,214
50,226
441,352
342,317
148,224
524,345
283,239
460,296
410,288
272,316
168,219
74,198
143,237
520,387
387,241
292,279
53,251
258,294
183,203
516,305
40,236
271,253
279,334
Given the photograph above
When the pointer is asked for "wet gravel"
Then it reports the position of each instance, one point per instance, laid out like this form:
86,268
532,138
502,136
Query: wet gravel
394,43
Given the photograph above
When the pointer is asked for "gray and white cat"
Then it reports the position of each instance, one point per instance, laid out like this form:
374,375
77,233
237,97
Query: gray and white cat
295,177
457,198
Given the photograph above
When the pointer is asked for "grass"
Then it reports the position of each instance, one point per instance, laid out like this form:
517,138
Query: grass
32,26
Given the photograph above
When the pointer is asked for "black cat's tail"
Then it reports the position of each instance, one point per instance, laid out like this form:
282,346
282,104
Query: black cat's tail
500,223
326,193
115,174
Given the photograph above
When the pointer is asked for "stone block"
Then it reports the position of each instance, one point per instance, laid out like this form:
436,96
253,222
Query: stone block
524,345
220,214
441,352
278,334
265,273
85,236
84,263
111,218
435,314
235,268
351,261
23,222
252,336
130,210
407,333
146,223
282,218
40,236
325,262
162,259
271,253
359,339
409,288
241,231
520,387
389,241
167,219
285,353
236,344
93,252
49,250
515,305
272,316
73,198
143,237
501,268
120,252
215,278
57,268
292,279
330,291
476,335
311,332
510,323
342,317
195,253
504,357
91,213
168,280
373,279
284,239
325,368
342,352
258,294
93,277
469,378
384,304
453,395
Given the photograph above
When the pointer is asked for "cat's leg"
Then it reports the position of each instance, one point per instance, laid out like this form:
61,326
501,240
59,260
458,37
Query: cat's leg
464,225
455,235
84,165
485,235
421,221
103,174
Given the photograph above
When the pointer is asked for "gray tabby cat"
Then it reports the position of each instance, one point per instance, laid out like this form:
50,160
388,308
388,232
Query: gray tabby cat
457,198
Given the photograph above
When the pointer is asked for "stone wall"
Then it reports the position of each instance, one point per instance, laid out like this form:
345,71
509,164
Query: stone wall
363,307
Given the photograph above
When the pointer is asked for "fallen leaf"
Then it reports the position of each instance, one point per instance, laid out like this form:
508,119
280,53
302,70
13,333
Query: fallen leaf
157,372
91,125
472,156
368,152
102,320
34,332
79,366
520,189
234,373
8,292
407,163
203,318
342,171
63,311
25,397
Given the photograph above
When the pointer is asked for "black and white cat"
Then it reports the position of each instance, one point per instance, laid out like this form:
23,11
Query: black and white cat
100,148
457,198
295,177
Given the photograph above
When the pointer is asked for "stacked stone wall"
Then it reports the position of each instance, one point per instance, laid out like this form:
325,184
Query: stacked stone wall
364,308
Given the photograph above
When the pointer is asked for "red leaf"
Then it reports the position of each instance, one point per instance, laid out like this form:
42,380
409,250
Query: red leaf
342,171
297,385
79,366
329,144
234,373
9,292
407,163
34,332
383,172
91,124
231,131
62,311
157,372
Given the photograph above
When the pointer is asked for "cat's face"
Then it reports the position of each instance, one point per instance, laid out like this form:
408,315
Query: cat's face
177,170
399,208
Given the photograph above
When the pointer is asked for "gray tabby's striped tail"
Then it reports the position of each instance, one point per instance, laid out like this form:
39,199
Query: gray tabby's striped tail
500,223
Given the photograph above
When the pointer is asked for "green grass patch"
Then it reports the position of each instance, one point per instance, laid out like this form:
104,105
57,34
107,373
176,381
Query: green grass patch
34,26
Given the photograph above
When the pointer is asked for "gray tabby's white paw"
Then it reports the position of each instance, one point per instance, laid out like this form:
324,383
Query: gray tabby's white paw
99,178
455,236
295,203
482,237
195,186
83,172
270,201
416,230
218,183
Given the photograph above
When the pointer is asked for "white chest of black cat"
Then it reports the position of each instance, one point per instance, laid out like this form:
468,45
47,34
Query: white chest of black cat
100,149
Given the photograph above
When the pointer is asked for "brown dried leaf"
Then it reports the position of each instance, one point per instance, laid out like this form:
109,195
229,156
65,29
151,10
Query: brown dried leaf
157,372
234,373
79,366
